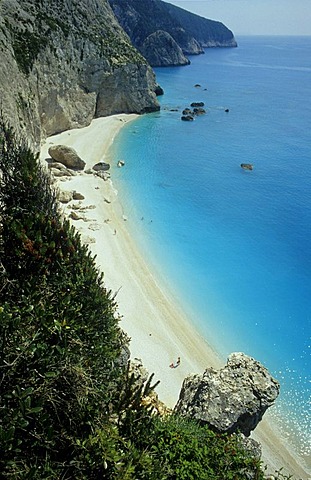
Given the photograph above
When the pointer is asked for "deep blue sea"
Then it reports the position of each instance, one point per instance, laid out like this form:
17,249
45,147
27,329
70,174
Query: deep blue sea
235,244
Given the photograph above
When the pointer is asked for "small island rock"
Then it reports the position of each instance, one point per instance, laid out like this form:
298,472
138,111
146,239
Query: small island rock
247,166
197,104
187,111
199,111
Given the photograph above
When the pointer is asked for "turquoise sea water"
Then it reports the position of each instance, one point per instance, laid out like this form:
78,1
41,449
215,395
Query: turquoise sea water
235,244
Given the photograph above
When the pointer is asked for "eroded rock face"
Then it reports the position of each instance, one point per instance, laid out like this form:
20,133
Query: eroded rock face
65,62
161,50
232,399
207,33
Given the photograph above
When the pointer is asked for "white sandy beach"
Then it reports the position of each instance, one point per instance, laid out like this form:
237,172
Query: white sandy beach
152,317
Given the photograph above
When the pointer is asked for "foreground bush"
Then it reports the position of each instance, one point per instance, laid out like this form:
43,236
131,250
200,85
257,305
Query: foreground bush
59,336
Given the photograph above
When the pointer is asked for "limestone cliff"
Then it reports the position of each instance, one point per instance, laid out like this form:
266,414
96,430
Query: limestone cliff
161,50
64,62
208,33
145,19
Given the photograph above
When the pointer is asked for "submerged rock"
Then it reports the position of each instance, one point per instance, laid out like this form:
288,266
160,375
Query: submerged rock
197,104
247,166
232,399
187,111
199,111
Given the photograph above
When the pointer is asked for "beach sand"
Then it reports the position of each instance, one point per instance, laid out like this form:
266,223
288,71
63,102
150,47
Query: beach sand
151,315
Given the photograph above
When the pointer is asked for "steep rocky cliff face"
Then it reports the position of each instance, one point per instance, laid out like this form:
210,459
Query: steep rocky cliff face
148,19
64,62
161,50
208,33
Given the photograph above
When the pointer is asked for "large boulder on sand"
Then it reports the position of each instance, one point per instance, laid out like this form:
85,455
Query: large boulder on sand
67,156
232,399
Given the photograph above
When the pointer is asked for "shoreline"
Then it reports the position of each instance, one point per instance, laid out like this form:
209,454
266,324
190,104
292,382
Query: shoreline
151,315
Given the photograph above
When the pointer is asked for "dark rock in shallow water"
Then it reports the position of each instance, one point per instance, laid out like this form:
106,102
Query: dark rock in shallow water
197,104
159,91
247,166
199,111
187,111
187,118
232,399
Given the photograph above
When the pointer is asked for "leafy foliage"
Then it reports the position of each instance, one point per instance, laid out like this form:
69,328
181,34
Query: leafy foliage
59,335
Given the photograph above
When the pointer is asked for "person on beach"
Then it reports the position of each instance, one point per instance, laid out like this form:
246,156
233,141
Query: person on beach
172,365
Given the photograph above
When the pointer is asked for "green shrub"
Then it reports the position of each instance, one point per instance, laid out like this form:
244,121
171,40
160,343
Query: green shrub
59,335
181,449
